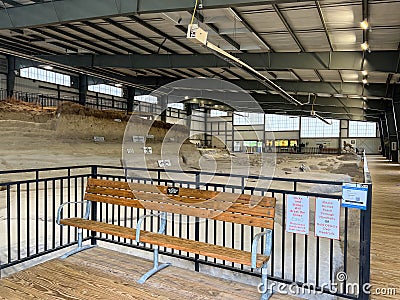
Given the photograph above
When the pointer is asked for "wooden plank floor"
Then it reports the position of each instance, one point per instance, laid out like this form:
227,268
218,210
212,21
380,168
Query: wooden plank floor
385,242
99,273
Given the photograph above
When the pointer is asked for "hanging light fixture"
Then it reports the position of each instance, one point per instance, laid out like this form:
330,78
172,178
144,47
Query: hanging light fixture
365,46
364,24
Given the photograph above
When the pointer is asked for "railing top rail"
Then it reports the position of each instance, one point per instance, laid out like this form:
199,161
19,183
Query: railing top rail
228,175
43,169
367,174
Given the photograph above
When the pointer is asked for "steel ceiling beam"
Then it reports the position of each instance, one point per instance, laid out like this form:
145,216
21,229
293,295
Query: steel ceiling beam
323,22
56,12
377,61
332,88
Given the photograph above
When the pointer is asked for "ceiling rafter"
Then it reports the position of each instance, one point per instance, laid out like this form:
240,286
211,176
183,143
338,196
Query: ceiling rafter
130,31
172,39
94,36
323,22
117,36
78,38
65,42
28,45
299,44
251,29
139,35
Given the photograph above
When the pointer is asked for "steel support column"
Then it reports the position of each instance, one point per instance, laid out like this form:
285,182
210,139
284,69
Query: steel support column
10,75
130,98
392,130
396,117
382,134
164,108
83,87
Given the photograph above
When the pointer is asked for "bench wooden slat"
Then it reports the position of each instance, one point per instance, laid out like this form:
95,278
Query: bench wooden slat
124,189
220,202
215,251
213,204
164,205
112,200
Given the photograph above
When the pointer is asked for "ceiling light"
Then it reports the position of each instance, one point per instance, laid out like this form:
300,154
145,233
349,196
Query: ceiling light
365,81
364,24
365,46
364,72
118,85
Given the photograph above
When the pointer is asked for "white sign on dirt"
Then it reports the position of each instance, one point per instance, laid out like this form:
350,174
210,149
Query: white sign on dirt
327,218
147,150
298,214
138,139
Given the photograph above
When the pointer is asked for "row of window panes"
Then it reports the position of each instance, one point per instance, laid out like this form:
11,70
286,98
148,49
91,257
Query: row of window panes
246,118
362,129
313,127
46,76
218,113
281,123
106,89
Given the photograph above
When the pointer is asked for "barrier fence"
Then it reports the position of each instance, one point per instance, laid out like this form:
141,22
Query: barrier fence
29,200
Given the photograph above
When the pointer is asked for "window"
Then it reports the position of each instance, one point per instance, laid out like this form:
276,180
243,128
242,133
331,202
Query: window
313,127
244,118
177,105
146,98
46,76
218,113
362,129
106,89
281,123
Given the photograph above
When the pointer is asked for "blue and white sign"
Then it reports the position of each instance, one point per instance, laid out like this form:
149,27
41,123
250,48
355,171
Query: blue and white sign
354,195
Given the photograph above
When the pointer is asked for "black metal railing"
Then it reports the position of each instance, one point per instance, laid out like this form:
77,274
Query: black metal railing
28,210
304,150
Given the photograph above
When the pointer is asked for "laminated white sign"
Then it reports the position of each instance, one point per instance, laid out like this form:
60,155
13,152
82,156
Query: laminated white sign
327,218
298,214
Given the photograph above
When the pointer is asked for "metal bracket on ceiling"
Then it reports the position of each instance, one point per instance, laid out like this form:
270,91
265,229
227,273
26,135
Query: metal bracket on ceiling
199,36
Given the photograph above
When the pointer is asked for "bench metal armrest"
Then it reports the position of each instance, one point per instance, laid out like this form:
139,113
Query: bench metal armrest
163,223
87,211
267,246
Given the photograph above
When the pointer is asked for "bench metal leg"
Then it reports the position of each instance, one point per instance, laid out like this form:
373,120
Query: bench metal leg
265,292
79,248
155,269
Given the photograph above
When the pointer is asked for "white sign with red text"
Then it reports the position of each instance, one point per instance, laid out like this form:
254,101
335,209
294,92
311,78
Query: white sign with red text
327,218
298,214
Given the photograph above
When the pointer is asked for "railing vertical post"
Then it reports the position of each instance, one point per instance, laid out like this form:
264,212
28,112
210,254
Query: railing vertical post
93,216
197,228
365,246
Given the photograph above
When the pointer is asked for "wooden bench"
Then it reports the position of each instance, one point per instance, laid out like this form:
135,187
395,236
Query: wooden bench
243,209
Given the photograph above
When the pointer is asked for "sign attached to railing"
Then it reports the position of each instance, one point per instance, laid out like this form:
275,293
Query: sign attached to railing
354,195
171,190
327,218
298,214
